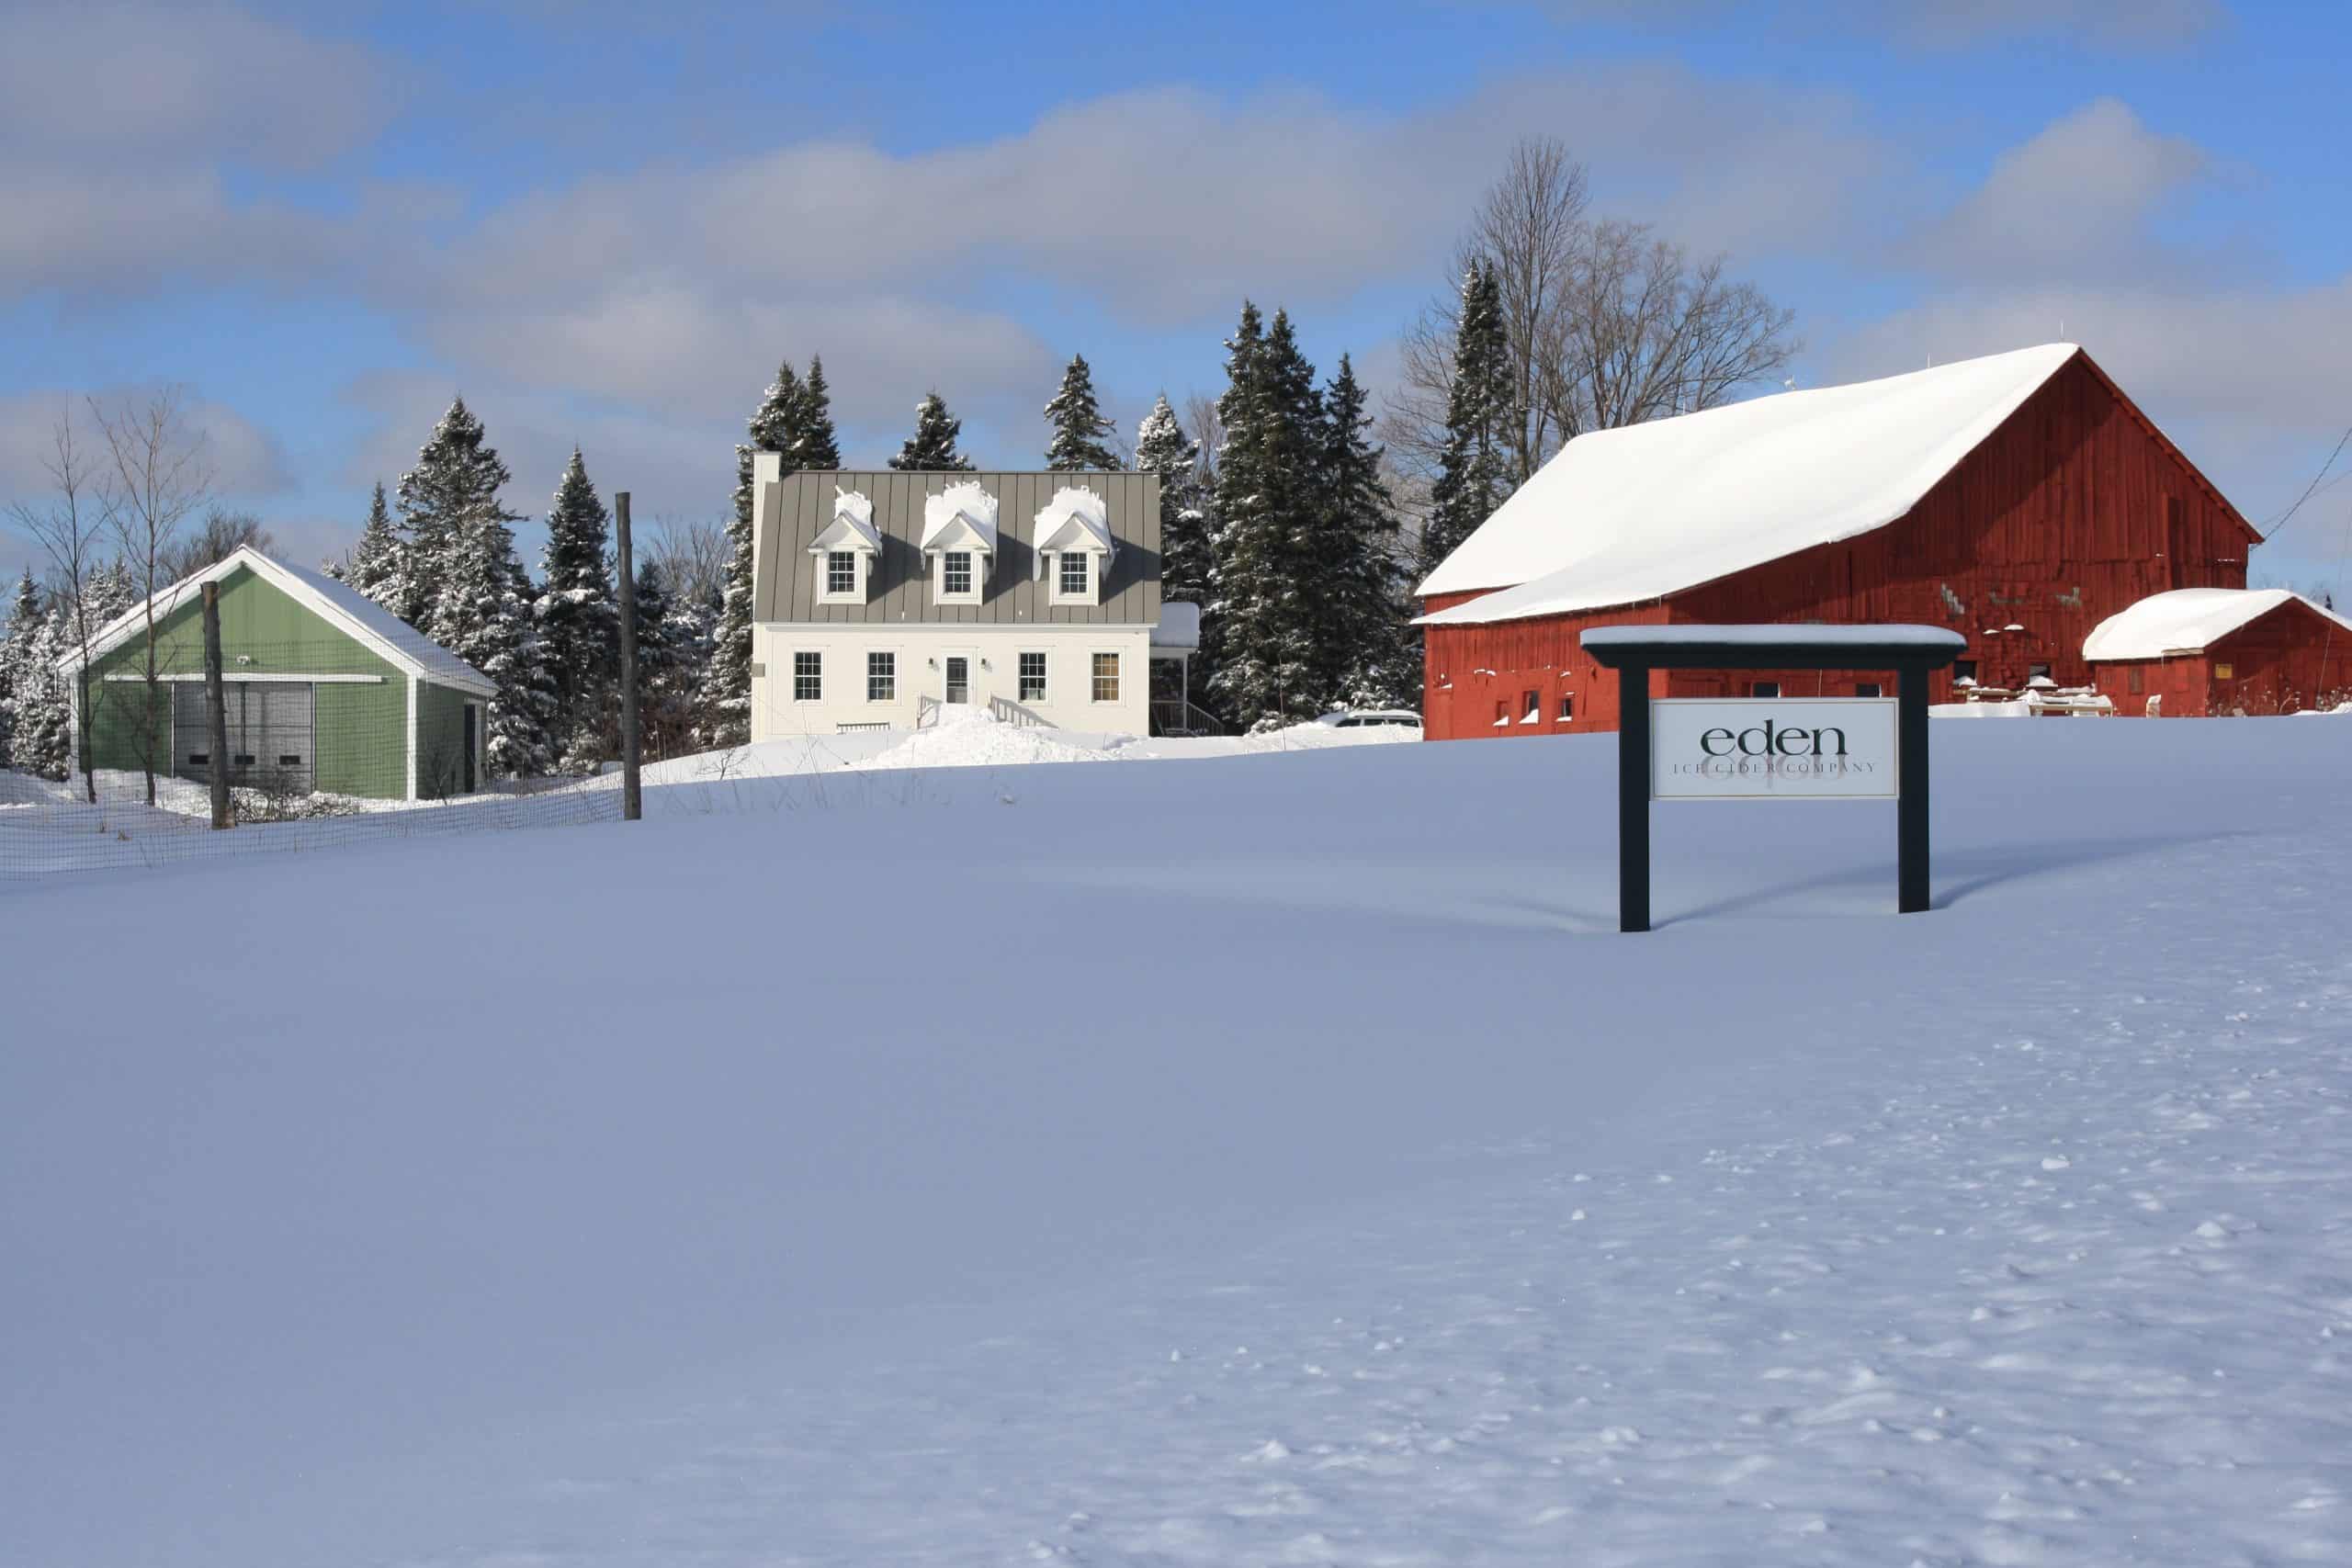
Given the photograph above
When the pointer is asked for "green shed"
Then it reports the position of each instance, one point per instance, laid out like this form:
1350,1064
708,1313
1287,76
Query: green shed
323,690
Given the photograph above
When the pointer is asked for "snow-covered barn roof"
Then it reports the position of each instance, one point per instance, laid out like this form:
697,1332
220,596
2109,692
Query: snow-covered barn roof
338,603
852,527
1076,519
2187,620
968,505
1630,516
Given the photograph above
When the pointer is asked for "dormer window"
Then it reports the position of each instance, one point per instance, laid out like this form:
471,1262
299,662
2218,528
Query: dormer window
959,540
845,551
1073,544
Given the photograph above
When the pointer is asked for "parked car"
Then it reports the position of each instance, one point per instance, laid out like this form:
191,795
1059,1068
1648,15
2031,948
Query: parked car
1360,718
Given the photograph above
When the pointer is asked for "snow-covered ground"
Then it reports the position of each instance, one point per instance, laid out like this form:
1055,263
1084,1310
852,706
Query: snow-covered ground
1279,1161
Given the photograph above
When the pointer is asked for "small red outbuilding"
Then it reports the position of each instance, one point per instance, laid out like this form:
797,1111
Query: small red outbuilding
2202,651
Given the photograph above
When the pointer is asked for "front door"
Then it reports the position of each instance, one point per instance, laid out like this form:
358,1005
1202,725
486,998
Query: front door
955,678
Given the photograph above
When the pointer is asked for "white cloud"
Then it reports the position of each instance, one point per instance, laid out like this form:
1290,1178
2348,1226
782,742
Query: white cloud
2076,201
102,82
247,462
1941,24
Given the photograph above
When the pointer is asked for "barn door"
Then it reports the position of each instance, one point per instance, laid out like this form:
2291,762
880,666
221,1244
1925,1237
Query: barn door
280,720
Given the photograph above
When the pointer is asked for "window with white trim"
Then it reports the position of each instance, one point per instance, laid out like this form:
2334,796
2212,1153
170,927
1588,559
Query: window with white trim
881,677
1071,573
807,677
1106,677
1033,677
955,572
840,571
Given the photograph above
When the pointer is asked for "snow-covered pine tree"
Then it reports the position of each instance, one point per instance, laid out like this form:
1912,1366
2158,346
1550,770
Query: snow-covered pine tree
1473,469
1163,448
36,709
931,448
455,482
482,613
1268,507
1077,423
579,620
665,700
25,620
723,714
379,561
1369,653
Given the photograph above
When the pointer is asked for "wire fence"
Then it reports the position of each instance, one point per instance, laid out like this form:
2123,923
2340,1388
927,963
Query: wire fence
318,743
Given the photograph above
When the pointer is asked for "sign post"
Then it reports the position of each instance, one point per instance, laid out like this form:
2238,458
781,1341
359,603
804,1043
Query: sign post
1770,748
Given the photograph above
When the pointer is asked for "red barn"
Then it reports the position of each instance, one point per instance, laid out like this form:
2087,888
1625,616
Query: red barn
2201,651
2020,500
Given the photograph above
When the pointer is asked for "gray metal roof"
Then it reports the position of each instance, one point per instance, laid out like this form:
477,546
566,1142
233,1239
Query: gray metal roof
792,511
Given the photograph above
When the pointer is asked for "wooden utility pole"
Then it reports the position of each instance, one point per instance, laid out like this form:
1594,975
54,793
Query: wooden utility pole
632,793
216,712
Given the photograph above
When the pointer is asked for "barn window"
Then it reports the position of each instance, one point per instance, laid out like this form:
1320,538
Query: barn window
1502,712
1534,703
2037,671
1763,688
2226,672
1965,670
1869,689
1567,706
2132,680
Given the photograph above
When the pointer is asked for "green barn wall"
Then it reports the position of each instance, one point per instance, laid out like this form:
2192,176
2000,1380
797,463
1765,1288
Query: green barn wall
441,741
360,734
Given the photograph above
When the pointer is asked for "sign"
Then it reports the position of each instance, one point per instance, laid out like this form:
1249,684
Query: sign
1773,748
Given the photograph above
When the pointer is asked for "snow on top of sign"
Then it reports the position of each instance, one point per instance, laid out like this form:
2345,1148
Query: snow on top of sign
1626,517
2186,620
1076,519
1776,636
969,502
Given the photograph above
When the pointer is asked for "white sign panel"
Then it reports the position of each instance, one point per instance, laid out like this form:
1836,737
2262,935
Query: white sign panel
1773,747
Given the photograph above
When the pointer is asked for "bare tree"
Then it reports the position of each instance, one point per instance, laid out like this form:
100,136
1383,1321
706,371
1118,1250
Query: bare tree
162,473
70,526
692,554
1205,426
214,540
1606,324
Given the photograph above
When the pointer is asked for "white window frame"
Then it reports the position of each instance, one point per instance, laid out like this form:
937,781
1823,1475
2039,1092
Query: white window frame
1091,593
939,591
816,658
859,562
1094,675
1021,676
891,675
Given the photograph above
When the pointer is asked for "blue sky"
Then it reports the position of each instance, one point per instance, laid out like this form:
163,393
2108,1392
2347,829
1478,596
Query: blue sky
604,223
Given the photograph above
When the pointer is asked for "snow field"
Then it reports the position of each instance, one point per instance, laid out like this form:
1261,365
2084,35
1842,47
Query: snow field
1277,1162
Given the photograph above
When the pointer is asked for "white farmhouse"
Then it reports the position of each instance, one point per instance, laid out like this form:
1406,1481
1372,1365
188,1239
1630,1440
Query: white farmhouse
882,597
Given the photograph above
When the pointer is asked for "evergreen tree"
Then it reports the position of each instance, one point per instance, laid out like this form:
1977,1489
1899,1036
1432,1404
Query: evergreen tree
35,705
1163,448
1268,513
453,488
379,561
931,448
723,704
1473,469
1077,422
1368,654
578,619
664,680
815,448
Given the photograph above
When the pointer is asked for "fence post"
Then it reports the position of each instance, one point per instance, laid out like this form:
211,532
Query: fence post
215,707
632,794
1633,798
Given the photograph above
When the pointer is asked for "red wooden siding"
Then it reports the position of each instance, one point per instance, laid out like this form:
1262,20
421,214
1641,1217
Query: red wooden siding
2074,509
2288,660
